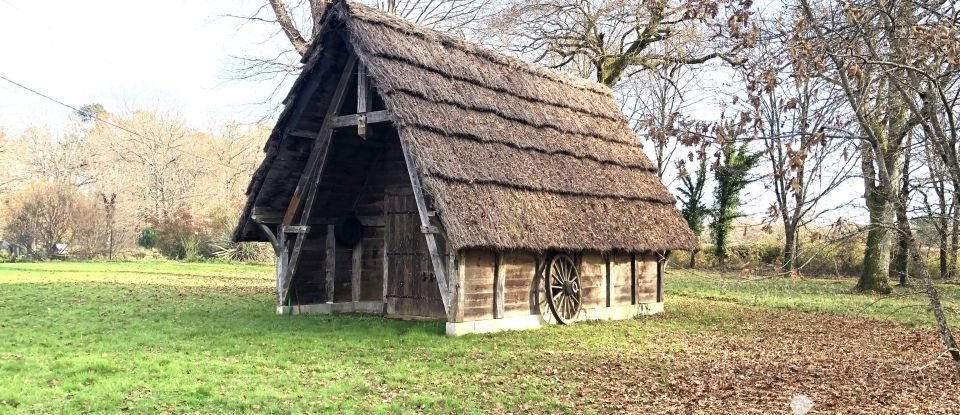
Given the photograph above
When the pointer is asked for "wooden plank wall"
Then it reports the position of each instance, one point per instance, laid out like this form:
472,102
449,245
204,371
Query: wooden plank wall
646,278
593,276
479,268
621,275
519,284
519,271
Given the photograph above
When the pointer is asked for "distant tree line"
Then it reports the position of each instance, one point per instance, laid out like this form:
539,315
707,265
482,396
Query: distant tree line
113,182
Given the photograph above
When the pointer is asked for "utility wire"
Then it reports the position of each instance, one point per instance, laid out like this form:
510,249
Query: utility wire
110,123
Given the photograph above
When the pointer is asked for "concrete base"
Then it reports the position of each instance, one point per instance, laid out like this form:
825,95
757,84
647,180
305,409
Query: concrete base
532,321
369,307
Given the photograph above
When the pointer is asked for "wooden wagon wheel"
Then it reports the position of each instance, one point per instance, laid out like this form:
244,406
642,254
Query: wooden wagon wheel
563,288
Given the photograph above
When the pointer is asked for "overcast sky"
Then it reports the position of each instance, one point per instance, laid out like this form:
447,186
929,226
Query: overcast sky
172,54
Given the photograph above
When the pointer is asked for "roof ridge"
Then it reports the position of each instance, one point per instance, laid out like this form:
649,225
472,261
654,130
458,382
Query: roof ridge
371,15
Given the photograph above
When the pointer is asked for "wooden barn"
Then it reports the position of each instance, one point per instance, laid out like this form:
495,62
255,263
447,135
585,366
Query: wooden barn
417,175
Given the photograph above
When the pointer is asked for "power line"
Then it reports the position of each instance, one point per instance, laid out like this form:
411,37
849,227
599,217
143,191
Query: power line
109,123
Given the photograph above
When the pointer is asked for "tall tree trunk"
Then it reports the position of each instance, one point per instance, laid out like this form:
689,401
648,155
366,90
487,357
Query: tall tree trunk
790,248
876,258
944,260
954,237
901,260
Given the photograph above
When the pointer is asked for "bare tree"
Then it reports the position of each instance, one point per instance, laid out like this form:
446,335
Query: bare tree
796,118
64,159
826,39
609,40
152,159
896,62
300,21
656,102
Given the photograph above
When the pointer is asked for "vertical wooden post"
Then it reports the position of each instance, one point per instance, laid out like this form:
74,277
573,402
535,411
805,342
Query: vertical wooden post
500,274
386,258
660,263
456,314
282,258
331,263
609,285
356,271
363,100
633,279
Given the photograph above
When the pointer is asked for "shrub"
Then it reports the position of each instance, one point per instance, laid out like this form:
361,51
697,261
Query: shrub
148,238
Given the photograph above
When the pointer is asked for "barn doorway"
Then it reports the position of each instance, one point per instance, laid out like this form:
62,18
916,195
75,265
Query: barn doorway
411,285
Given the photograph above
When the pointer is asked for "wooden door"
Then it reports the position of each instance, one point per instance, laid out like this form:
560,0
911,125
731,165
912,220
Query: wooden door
412,288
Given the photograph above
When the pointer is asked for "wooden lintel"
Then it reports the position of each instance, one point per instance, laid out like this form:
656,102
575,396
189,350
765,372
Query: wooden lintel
435,258
429,229
272,219
372,117
296,229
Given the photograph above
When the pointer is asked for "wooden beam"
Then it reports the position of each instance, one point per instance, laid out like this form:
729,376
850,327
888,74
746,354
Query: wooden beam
498,286
363,102
296,229
282,258
609,287
386,260
458,294
356,271
322,144
374,117
331,273
374,221
270,237
312,173
435,258
661,264
633,279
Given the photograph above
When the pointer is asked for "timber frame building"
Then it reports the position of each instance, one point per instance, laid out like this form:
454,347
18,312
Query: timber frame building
417,175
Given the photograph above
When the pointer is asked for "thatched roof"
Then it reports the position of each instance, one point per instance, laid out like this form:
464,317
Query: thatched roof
514,155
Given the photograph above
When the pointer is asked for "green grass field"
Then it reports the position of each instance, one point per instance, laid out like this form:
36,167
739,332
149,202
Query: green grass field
186,338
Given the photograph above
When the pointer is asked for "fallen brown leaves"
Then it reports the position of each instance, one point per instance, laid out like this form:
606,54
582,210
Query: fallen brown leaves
843,364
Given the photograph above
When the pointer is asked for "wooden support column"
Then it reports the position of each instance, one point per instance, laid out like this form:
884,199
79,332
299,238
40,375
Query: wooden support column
661,263
363,101
498,286
356,271
331,273
456,315
282,258
306,190
386,261
435,257
633,279
609,280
